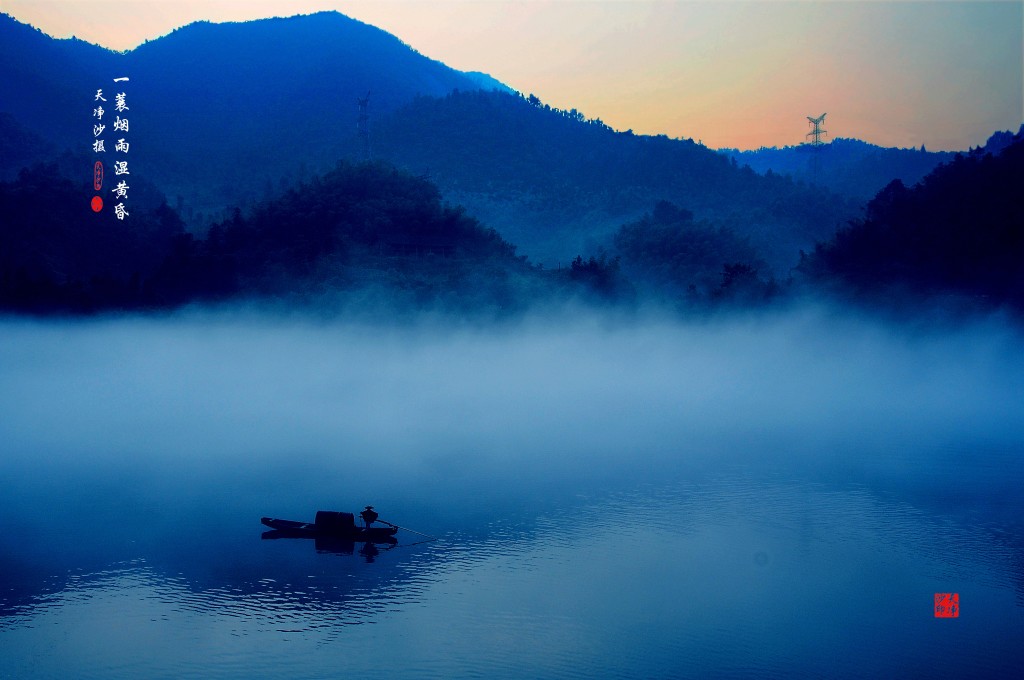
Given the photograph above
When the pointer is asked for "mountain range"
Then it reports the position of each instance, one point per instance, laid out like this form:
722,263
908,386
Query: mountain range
236,126
853,167
272,95
228,115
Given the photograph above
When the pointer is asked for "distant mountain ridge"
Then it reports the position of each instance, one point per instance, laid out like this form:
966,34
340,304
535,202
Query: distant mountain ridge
231,115
851,166
46,81
281,89
848,166
556,183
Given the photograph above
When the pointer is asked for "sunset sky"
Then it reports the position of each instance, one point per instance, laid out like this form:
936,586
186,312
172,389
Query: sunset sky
732,74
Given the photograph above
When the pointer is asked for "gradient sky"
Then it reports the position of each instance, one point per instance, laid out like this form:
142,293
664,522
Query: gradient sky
736,74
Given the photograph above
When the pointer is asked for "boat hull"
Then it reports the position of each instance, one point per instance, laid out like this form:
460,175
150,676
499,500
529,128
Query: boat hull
292,529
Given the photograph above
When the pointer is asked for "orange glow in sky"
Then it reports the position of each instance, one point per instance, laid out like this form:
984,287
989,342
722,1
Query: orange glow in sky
732,74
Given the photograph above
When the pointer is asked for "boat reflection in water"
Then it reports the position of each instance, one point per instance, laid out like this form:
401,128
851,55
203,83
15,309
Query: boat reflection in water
335,544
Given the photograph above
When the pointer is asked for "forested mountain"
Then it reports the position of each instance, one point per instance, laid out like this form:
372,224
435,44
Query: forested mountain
58,255
358,232
20,147
852,167
228,115
219,111
959,232
360,227
371,234
46,84
241,127
556,183
1001,140
846,166
674,258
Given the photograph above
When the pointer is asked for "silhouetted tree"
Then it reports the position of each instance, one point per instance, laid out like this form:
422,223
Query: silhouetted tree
671,252
959,231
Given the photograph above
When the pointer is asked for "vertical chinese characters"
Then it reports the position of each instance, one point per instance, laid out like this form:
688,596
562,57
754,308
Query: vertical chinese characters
120,125
120,163
98,147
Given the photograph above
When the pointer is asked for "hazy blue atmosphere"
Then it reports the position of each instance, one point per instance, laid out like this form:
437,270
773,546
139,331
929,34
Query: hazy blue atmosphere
628,406
767,496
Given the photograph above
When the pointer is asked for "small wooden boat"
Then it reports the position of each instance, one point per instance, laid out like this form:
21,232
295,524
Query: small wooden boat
341,525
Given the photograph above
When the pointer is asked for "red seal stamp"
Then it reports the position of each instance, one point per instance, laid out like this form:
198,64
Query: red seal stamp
97,176
947,605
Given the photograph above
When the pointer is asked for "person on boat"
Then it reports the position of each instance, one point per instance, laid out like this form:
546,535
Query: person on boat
369,516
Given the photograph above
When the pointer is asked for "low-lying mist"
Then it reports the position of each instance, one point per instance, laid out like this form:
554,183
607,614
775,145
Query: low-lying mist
119,433
538,397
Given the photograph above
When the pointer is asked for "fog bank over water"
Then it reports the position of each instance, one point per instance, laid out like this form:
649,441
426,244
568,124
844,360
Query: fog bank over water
439,404
623,498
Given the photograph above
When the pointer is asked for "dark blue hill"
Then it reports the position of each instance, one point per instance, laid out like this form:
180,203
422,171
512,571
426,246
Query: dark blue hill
229,115
959,232
850,167
556,183
220,109
46,82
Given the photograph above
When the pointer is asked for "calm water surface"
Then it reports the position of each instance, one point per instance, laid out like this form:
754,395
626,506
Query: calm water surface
773,498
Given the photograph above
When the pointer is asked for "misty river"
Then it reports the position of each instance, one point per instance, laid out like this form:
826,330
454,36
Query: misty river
776,496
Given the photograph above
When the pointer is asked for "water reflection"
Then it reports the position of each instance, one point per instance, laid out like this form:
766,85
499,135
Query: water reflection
743,572
337,546
661,503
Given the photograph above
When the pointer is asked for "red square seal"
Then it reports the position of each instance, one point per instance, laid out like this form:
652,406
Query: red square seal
947,605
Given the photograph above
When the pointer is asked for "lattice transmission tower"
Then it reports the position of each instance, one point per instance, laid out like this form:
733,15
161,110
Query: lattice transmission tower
816,142
817,132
